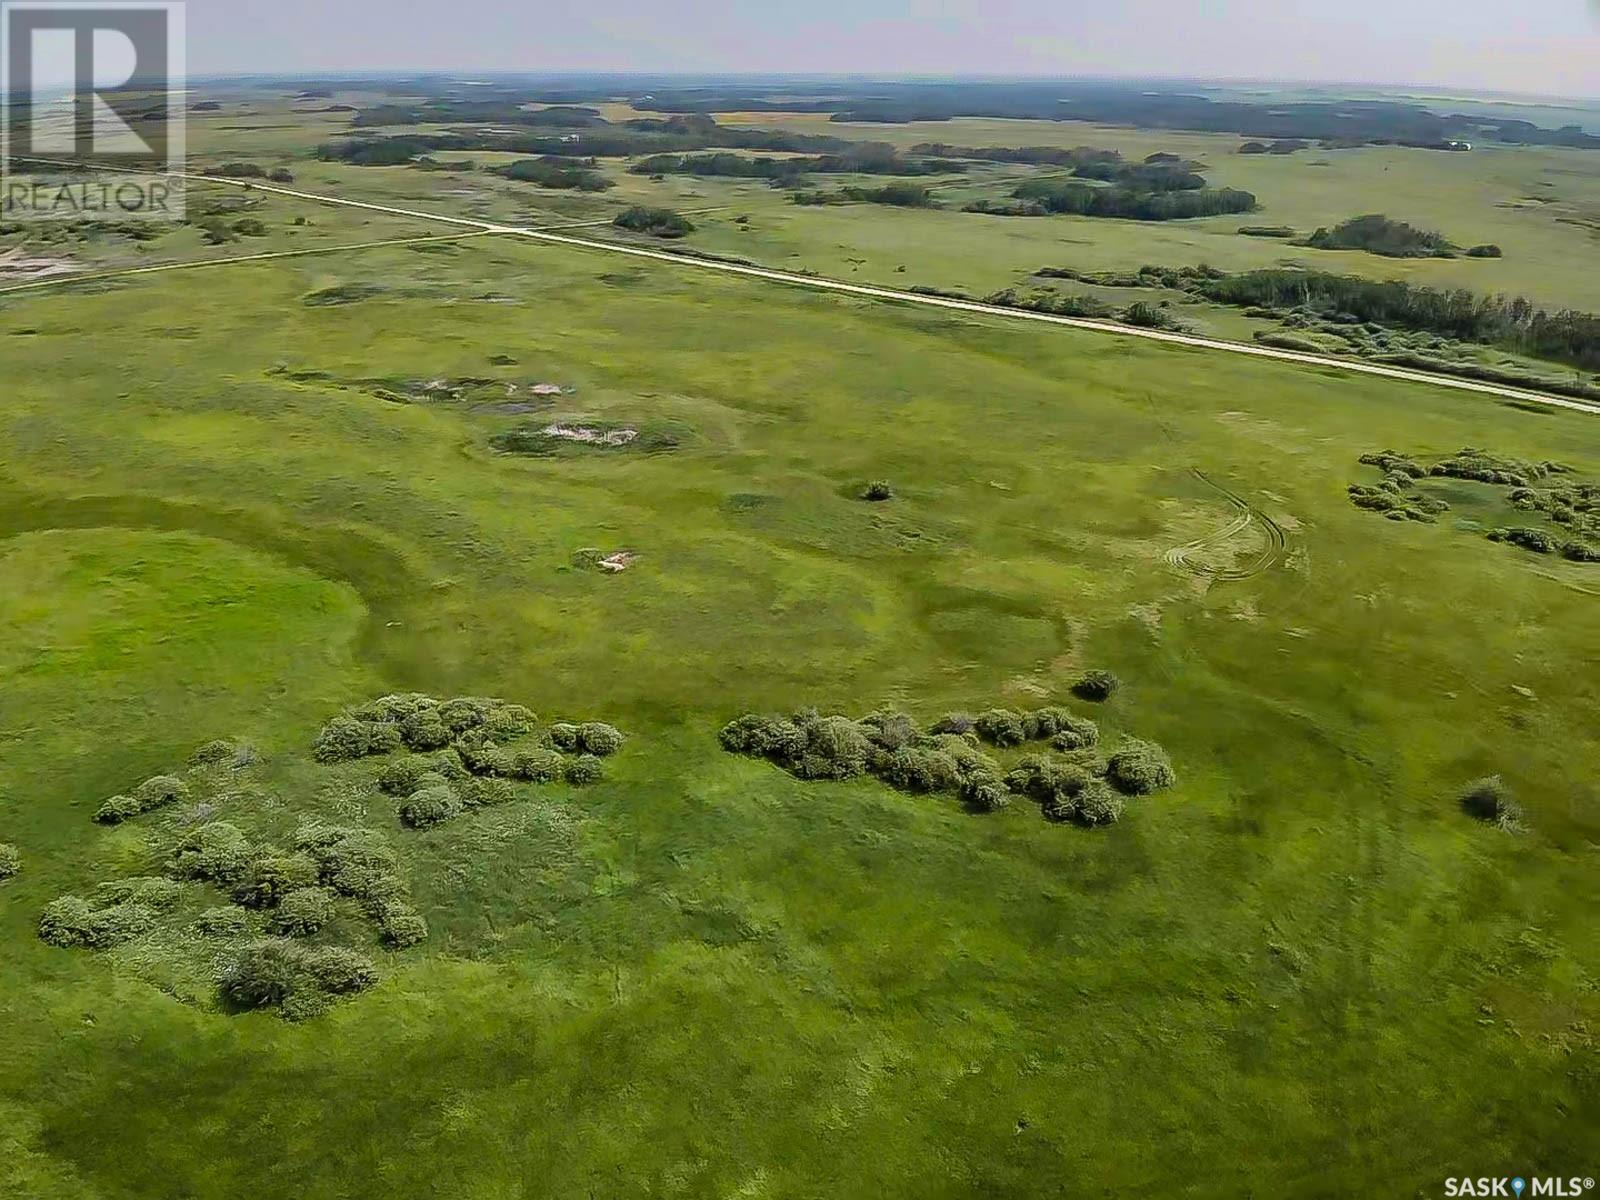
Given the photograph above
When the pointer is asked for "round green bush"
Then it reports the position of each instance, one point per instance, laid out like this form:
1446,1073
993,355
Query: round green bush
160,790
585,769
383,739
400,925
393,708
1099,805
481,755
1000,727
464,713
508,722
212,753
425,730
1052,782
1139,768
216,851
117,809
1097,686
599,739
835,748
984,792
564,736
342,739
221,922
399,778
10,861
72,922
450,766
303,912
890,730
916,770
353,862
486,793
771,737
534,764
1044,723
270,875
430,806
1076,733
878,490
340,971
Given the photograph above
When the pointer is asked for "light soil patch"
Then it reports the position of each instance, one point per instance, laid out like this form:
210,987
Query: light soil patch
16,265
589,435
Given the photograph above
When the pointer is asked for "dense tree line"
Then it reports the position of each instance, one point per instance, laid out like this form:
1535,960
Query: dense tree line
1050,156
897,195
552,171
1041,197
1512,322
869,158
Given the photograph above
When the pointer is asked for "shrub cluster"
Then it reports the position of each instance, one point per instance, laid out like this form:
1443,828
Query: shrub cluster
946,759
359,864
117,913
299,981
420,723
1139,768
156,792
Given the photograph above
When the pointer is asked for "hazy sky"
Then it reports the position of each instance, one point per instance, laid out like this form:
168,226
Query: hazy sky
1539,46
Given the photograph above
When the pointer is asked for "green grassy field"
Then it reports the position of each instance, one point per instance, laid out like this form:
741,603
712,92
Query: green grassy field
1301,971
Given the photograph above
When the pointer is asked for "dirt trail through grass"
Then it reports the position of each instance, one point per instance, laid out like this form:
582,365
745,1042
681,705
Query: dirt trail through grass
1192,556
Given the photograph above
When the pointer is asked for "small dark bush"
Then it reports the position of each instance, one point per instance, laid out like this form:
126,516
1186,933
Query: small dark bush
1001,727
878,489
955,722
464,713
1487,250
1098,804
303,912
270,875
1139,768
1096,685
480,755
297,980
658,222
10,861
430,806
1053,783
1076,733
1489,799
985,792
1044,723
221,922
116,810
564,736
535,764
599,739
400,925
585,769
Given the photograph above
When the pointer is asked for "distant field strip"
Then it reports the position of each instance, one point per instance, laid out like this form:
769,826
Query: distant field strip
823,283
1189,556
92,276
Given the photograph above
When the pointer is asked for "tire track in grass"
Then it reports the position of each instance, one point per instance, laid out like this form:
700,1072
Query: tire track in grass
1187,555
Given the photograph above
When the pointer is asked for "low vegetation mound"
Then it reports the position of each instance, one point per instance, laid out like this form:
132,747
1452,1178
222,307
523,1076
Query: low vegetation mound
299,981
1489,800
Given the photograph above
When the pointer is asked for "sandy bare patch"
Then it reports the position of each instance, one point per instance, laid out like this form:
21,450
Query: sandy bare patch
15,265
589,435
620,561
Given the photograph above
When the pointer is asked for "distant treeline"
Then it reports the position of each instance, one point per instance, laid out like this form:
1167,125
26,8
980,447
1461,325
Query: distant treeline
1341,121
555,172
1050,156
868,158
605,140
